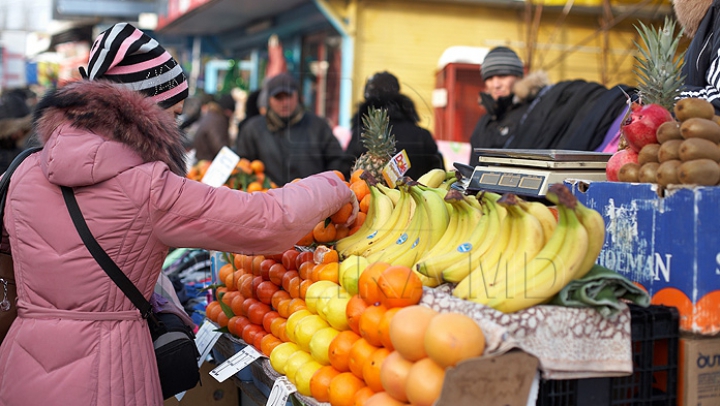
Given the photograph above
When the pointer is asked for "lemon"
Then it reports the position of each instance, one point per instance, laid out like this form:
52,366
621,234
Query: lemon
306,328
292,322
335,314
327,295
304,375
294,362
320,343
280,355
314,293
349,273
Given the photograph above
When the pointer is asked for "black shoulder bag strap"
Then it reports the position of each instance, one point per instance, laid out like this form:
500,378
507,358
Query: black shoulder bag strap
5,181
107,264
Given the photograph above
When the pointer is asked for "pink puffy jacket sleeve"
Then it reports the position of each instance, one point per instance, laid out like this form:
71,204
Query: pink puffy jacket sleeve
191,214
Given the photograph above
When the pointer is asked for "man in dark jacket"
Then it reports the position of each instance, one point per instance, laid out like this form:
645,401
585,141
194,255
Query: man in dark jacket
212,130
382,90
701,20
291,142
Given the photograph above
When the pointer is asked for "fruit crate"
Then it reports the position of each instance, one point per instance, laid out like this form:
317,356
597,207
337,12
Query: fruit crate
655,335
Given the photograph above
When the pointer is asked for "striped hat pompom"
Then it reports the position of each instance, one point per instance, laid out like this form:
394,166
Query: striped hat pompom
126,55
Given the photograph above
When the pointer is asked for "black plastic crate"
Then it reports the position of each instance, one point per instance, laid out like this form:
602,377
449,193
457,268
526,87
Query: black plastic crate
655,334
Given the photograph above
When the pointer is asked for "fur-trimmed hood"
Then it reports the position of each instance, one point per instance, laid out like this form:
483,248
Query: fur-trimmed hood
528,87
690,13
106,121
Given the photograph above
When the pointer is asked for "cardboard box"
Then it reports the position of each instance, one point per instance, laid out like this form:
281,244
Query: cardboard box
669,245
699,372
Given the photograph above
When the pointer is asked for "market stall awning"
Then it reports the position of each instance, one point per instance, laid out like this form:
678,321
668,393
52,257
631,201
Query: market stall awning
210,17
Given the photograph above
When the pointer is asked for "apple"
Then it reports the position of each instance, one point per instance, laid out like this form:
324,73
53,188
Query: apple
616,162
640,126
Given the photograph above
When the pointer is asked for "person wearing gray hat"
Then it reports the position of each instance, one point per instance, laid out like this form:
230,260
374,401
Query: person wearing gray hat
292,142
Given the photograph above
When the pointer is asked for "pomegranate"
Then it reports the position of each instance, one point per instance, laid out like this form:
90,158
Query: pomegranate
641,124
616,162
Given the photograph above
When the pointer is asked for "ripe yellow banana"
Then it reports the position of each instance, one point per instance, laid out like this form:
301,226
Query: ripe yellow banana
378,214
393,194
483,283
542,213
595,227
547,274
457,246
432,178
399,221
438,215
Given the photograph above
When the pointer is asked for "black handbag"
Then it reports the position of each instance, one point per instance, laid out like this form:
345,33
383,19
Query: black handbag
174,342
8,291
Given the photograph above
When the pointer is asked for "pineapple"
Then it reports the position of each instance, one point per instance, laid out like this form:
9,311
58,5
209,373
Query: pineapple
377,137
658,70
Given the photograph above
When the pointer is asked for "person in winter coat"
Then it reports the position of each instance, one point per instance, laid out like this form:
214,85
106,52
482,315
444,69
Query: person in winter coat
212,130
77,339
382,90
291,142
701,21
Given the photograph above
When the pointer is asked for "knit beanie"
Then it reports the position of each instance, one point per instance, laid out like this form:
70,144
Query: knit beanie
501,61
381,84
125,55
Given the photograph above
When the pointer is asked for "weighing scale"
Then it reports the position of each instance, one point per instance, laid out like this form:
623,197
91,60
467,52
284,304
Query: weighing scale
529,172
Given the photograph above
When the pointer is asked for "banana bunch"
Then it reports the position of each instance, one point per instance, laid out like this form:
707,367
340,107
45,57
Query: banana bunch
437,178
538,267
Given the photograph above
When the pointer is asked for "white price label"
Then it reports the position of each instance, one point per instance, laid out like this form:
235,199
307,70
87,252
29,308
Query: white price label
221,167
281,390
235,364
205,340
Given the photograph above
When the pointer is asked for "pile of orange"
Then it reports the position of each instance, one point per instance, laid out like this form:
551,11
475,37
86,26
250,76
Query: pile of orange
334,228
248,176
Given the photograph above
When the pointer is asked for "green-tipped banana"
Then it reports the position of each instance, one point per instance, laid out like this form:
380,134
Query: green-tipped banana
378,214
393,194
485,283
549,272
433,177
543,214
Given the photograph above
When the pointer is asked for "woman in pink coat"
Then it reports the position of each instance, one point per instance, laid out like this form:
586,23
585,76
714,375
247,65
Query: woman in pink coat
77,339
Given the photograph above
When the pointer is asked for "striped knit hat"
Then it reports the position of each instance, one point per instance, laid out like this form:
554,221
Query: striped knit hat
126,55
501,61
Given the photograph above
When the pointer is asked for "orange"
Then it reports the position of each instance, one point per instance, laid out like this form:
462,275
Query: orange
360,188
343,214
371,369
353,310
257,166
384,327
341,231
339,350
370,323
362,395
400,287
231,325
320,383
324,233
368,283
365,204
277,297
296,304
224,271
355,176
360,352
236,305
306,240
330,272
342,389
269,342
359,220
222,319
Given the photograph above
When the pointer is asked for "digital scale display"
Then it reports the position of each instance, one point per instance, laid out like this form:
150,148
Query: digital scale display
509,182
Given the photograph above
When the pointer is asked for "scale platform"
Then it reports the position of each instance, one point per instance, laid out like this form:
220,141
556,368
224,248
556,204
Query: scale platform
529,172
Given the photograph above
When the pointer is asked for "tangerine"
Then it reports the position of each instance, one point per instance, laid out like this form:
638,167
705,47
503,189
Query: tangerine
355,175
268,343
277,297
329,272
368,287
257,166
365,204
212,310
343,214
231,325
339,350
359,220
236,305
323,233
257,311
360,189
342,389
320,383
341,231
222,319
275,325
400,287
265,291
267,320
305,269
371,369
353,310
296,304
370,322
339,175
306,241
224,271
304,285
360,352
384,328
362,395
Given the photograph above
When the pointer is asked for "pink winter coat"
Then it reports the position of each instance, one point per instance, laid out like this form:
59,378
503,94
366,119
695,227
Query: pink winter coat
77,339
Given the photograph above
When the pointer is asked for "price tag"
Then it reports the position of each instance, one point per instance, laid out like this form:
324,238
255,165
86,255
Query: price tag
221,167
235,364
205,340
281,390
396,168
